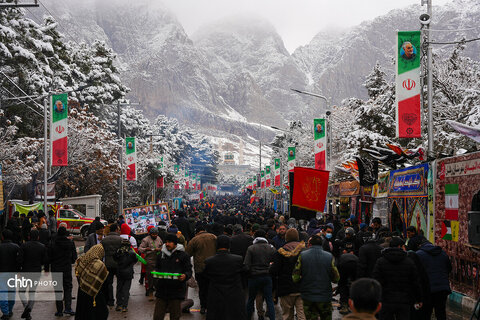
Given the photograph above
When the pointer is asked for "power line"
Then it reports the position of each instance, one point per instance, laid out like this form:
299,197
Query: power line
456,42
58,21
23,102
20,89
453,30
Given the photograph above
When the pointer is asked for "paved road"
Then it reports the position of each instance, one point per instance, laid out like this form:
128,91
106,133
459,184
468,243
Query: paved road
142,309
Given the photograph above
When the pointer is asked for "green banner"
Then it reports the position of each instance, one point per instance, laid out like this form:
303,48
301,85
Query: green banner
267,169
408,50
319,128
59,106
291,153
130,145
27,208
277,164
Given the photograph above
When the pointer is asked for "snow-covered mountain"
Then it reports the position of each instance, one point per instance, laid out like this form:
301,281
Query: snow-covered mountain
339,61
233,74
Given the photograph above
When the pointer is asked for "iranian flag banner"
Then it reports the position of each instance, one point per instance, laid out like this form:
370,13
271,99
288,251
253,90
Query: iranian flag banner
255,182
277,172
262,174
131,151
268,176
199,185
194,181
291,159
187,177
58,130
320,144
451,201
408,112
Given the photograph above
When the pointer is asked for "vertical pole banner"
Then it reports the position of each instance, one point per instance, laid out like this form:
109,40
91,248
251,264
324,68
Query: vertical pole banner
176,170
255,182
291,159
262,174
320,144
408,112
130,150
187,177
277,173
268,176
58,130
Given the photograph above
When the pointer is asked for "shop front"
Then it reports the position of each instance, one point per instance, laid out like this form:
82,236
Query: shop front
349,198
408,199
457,223
380,198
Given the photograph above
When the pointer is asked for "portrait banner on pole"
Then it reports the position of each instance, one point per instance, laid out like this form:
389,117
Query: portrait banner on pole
59,130
320,143
130,150
277,173
408,112
291,159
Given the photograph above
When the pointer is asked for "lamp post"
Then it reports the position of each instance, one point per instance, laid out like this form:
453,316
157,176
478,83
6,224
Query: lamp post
328,113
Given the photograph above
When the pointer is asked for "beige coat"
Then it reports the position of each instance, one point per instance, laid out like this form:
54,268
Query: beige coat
151,255
201,247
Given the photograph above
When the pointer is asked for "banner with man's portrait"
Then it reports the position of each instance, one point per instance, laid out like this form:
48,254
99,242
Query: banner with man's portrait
139,218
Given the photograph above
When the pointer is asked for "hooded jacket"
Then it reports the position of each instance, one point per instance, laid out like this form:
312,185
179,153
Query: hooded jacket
436,261
175,261
258,257
283,263
398,276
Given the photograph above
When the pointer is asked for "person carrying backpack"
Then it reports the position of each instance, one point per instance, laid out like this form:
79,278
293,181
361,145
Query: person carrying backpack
126,259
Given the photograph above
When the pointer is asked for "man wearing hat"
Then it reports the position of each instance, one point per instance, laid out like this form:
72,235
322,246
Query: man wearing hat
151,246
171,292
224,272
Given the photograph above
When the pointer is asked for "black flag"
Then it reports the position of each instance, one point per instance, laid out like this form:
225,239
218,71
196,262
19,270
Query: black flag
368,171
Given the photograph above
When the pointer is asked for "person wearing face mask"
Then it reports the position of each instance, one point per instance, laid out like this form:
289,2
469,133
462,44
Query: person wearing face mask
327,235
151,246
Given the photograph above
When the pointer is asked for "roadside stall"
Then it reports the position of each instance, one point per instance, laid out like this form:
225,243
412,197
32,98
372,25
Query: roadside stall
408,199
333,198
457,219
349,198
380,198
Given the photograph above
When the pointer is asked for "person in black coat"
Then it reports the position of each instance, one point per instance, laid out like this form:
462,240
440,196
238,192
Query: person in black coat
62,255
400,281
34,256
126,259
281,269
13,225
183,225
438,264
171,292
226,300
11,259
368,255
240,242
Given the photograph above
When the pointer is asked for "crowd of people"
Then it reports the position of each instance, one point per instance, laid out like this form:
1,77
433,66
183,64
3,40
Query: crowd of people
242,257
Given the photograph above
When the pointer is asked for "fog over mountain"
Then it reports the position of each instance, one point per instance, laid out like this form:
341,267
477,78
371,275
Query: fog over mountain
235,73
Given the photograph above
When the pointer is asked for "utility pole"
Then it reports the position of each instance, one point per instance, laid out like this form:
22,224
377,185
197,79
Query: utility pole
45,154
120,159
120,153
430,82
329,145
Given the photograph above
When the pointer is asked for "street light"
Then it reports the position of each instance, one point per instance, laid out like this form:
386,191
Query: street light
328,113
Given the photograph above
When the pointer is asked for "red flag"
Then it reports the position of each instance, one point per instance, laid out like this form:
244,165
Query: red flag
160,183
310,190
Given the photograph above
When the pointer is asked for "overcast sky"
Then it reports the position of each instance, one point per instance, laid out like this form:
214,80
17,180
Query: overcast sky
297,21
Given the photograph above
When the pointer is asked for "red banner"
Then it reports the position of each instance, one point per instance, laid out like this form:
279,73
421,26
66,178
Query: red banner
310,190
409,118
60,152
160,183
131,172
